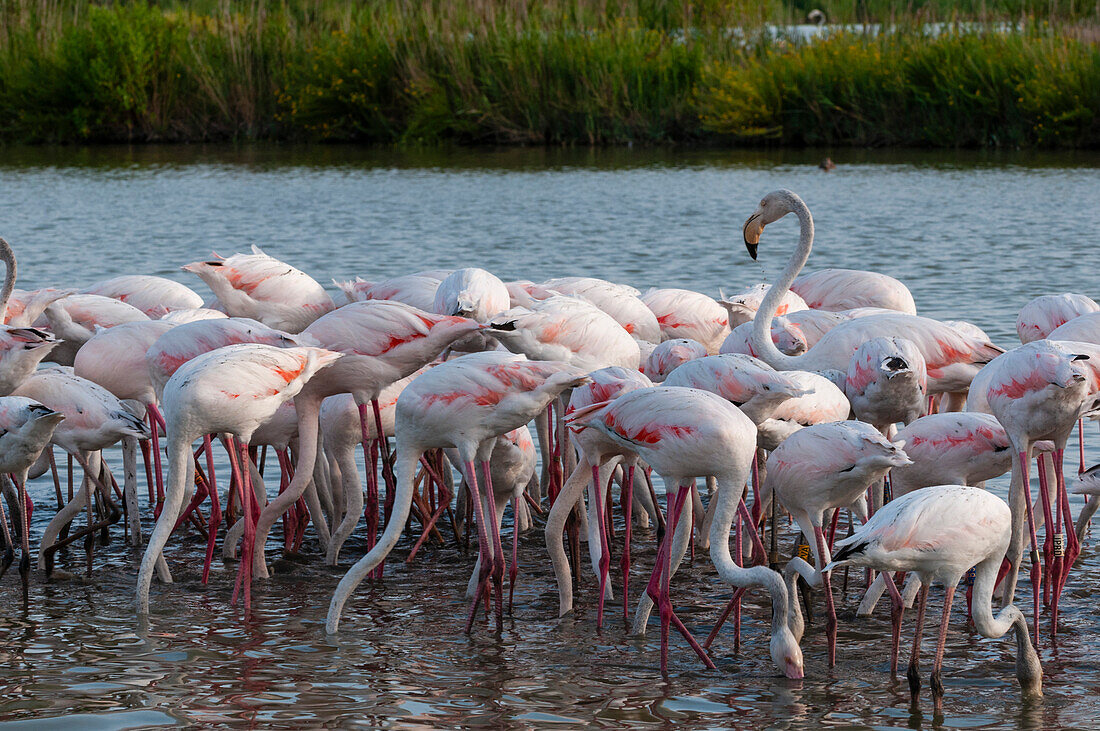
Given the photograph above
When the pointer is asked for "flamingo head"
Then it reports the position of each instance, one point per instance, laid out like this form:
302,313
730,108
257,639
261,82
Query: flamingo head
786,654
772,207
1089,482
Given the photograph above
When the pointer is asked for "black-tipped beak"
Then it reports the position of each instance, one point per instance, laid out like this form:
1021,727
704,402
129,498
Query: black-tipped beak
752,249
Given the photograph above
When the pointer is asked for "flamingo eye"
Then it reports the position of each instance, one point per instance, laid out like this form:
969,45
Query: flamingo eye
763,202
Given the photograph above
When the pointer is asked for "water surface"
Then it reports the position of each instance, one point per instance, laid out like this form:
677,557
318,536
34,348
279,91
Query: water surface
973,235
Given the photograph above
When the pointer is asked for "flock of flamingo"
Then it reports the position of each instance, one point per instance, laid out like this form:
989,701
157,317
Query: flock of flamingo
819,395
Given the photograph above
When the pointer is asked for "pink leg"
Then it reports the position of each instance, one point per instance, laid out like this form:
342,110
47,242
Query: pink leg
913,672
1050,527
897,610
498,551
215,509
759,555
1036,566
243,578
628,508
1070,545
658,588
937,685
147,457
605,551
154,427
290,522
830,610
485,551
737,559
513,570
371,463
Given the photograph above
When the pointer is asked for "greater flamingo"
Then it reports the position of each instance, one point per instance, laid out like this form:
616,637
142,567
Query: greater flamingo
230,390
670,354
941,345
685,433
76,318
620,301
1042,315
820,469
682,313
26,428
849,289
940,533
155,296
464,404
265,289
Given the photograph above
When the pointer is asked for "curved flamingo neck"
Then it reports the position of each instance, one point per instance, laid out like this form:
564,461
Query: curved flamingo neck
8,257
761,339
728,569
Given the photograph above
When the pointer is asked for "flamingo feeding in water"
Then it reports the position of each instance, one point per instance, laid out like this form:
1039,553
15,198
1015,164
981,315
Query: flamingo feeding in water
685,433
939,533
462,404
230,390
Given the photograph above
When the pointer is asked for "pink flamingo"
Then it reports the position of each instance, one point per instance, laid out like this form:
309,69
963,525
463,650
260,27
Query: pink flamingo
382,342
25,308
941,345
939,533
115,359
685,433
26,428
1042,315
1037,391
668,355
787,337
742,307
821,402
964,448
598,457
94,420
417,290
620,301
230,390
21,348
682,313
76,318
820,469
155,296
265,289
813,324
464,404
182,317
848,289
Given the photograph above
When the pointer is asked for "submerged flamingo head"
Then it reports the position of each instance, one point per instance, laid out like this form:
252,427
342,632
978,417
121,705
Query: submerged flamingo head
786,654
772,207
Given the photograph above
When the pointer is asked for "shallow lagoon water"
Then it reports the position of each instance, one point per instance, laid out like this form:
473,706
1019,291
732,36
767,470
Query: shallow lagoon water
974,236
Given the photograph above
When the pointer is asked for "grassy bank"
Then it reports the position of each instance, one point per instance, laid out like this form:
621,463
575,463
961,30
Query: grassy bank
556,72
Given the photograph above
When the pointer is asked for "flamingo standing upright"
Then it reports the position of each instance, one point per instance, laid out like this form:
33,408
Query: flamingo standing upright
685,433
941,345
463,404
265,289
939,533
230,390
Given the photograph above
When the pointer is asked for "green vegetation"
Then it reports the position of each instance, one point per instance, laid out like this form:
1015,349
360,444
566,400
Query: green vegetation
549,72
